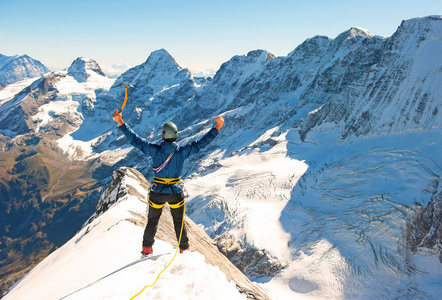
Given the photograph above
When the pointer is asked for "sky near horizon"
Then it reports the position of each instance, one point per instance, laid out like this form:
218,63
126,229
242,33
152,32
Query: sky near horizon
199,34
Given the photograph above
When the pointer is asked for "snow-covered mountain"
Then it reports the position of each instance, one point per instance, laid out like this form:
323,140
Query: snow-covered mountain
80,67
108,250
404,90
311,189
20,67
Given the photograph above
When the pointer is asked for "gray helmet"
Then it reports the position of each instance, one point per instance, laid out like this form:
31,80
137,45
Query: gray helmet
170,131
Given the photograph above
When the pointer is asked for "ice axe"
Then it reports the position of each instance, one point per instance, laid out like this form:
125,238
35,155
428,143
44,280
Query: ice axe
125,93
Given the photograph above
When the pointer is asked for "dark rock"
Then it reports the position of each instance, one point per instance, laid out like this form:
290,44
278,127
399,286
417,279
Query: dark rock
425,228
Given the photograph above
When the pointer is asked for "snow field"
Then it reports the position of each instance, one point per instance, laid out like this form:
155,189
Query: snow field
52,110
247,195
317,274
342,201
68,85
10,91
339,231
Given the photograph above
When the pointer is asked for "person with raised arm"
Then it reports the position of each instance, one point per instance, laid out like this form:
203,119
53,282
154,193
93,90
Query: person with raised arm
168,159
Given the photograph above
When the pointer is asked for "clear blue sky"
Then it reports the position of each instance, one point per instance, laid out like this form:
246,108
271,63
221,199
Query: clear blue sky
199,34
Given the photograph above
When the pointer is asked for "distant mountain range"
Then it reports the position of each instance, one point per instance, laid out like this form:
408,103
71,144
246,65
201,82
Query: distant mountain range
326,158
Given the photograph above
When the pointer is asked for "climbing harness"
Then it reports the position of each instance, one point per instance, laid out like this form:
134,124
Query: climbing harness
167,181
172,206
176,251
125,93
170,182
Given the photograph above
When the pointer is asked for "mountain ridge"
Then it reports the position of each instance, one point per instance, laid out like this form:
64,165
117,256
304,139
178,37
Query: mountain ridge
125,195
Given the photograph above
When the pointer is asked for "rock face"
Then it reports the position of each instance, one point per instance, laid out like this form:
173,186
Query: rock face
391,95
20,67
251,261
118,188
425,228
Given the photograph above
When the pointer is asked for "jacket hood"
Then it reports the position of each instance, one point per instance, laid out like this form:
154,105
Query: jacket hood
169,147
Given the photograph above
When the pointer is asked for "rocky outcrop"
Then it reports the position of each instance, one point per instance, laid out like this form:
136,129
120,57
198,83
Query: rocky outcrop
425,228
250,260
118,188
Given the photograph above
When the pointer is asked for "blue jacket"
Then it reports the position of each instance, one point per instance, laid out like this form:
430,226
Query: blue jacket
159,154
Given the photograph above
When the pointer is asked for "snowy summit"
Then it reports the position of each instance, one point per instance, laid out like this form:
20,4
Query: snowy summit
81,66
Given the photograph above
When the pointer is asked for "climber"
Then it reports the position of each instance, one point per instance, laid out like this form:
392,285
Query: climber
168,159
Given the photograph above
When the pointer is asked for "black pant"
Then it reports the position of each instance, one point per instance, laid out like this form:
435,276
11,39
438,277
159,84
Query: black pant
155,214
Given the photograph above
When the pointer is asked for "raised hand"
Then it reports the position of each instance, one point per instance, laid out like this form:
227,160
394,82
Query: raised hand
219,122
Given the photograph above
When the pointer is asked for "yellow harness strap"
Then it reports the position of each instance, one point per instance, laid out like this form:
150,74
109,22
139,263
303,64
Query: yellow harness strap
167,181
154,205
177,205
172,206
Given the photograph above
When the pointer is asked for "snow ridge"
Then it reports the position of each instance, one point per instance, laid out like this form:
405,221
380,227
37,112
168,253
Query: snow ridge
119,273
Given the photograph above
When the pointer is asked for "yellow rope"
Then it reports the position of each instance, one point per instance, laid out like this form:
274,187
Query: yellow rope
176,251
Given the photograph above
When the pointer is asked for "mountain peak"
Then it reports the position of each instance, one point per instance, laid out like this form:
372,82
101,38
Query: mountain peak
160,52
258,53
354,32
358,31
79,67
159,71
21,55
163,58
424,20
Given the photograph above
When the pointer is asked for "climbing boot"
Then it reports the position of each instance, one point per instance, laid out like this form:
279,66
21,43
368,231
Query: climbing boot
147,251
184,250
